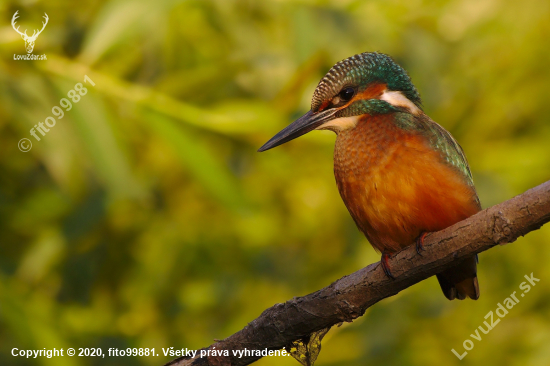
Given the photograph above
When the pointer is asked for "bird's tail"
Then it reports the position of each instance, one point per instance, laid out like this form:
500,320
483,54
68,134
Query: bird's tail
460,281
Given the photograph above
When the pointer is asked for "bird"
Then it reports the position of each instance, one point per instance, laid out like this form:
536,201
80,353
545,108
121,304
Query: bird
400,174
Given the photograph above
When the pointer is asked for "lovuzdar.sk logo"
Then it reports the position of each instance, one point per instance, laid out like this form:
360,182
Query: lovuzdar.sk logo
29,40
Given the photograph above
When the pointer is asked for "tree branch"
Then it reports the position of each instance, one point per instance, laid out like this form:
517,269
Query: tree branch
349,297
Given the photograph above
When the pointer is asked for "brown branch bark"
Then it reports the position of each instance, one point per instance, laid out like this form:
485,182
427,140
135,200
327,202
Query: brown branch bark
349,297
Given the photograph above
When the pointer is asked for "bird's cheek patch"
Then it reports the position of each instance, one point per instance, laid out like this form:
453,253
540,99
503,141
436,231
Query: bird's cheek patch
373,91
397,99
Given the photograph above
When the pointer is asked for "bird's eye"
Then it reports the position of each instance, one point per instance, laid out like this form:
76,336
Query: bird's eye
346,94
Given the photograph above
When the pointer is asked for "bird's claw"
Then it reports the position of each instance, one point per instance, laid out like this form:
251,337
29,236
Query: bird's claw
420,243
385,265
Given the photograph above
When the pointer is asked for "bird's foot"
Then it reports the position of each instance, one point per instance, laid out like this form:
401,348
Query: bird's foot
385,264
420,242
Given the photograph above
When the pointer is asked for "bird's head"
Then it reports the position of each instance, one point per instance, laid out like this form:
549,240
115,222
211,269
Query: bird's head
369,83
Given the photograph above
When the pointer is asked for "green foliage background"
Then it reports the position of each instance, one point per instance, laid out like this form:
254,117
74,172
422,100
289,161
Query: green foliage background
145,217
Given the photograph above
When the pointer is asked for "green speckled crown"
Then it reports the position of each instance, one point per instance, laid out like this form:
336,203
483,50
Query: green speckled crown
361,70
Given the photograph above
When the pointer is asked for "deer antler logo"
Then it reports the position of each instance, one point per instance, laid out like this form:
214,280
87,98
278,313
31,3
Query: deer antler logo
29,41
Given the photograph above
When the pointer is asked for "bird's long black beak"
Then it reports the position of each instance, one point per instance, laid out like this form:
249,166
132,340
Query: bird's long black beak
308,122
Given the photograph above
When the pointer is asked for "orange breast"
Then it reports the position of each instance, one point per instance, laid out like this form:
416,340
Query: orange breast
395,186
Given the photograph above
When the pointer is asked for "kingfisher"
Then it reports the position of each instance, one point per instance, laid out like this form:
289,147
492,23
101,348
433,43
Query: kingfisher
400,174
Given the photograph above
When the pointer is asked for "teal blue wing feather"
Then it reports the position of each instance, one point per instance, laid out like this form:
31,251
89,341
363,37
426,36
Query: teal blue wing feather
452,152
441,140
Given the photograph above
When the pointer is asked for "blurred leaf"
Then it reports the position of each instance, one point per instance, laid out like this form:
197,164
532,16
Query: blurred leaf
198,158
307,350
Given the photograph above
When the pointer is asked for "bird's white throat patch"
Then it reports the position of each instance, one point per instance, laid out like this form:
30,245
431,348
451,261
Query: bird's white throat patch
340,124
397,99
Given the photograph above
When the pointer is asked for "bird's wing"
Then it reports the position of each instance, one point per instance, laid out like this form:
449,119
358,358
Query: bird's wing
444,142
